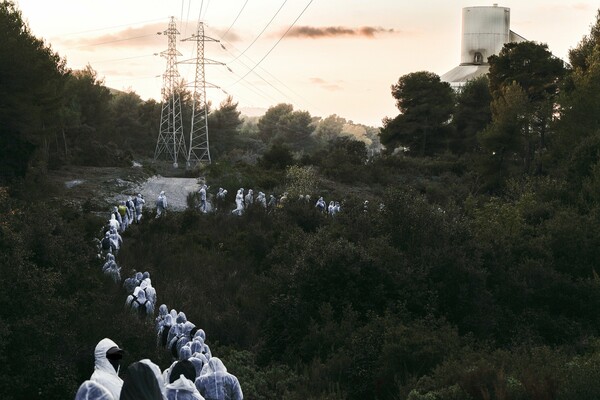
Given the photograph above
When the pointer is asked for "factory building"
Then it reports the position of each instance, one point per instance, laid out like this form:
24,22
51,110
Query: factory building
485,30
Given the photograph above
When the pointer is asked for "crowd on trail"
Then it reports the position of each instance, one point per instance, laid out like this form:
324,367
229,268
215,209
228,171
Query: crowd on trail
194,374
245,200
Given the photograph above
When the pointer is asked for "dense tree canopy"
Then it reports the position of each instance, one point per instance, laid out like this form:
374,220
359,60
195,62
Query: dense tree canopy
425,105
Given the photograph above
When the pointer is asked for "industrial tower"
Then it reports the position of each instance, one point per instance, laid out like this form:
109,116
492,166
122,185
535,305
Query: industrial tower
199,150
170,136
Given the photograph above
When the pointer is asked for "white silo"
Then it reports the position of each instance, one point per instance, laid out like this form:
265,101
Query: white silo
485,30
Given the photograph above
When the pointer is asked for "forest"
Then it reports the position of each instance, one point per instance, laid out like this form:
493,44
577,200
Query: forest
472,275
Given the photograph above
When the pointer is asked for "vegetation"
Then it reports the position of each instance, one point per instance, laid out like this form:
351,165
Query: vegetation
476,278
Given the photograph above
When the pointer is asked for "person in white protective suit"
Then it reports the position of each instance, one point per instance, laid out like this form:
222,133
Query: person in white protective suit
249,198
261,200
161,204
177,367
117,214
160,319
139,303
116,240
141,383
199,361
111,269
239,203
198,346
106,367
90,390
131,207
202,193
320,205
183,389
336,208
147,287
216,383
113,223
272,204
159,378
139,202
330,208
163,332
220,199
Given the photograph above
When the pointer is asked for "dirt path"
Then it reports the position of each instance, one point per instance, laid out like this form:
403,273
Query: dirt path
176,190
106,187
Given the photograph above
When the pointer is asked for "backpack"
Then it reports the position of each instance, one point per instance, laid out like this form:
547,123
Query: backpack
160,202
105,243
164,335
141,306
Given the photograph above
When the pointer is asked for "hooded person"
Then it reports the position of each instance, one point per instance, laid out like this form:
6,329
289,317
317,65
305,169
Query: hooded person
199,362
216,383
141,383
113,223
111,268
183,389
320,205
177,329
147,287
90,390
163,332
160,319
139,206
202,349
161,204
239,202
159,378
261,200
106,366
249,198
139,303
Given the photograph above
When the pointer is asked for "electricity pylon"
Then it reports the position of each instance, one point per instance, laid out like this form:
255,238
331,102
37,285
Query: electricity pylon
170,136
199,149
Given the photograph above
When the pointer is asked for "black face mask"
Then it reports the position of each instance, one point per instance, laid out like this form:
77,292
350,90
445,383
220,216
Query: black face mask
114,356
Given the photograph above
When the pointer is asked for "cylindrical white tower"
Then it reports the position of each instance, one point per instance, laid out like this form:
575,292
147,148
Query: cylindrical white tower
484,31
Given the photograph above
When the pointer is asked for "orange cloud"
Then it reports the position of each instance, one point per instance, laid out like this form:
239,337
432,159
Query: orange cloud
143,36
332,87
312,32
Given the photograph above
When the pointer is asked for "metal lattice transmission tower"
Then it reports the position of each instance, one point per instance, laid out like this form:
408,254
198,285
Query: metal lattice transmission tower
199,149
171,141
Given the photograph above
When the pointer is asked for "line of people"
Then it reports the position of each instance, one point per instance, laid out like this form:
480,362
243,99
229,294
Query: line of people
194,375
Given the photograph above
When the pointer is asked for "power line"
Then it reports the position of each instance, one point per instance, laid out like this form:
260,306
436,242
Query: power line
272,76
275,45
234,21
206,9
261,32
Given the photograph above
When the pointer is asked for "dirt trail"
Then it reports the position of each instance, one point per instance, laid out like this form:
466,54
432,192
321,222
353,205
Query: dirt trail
106,187
176,190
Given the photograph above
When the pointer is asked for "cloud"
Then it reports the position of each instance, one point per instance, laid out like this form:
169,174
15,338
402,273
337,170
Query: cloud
332,87
313,32
138,37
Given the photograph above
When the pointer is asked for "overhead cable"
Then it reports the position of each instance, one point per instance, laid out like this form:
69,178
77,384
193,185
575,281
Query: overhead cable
275,45
234,21
261,32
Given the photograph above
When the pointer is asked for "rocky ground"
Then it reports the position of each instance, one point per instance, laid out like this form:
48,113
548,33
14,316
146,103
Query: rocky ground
100,188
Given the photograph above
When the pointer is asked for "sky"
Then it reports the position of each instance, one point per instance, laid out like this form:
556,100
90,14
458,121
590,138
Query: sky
322,56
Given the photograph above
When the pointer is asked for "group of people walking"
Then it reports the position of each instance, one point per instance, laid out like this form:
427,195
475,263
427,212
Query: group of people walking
194,374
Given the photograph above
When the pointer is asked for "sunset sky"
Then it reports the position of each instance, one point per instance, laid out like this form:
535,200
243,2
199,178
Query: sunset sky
340,57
